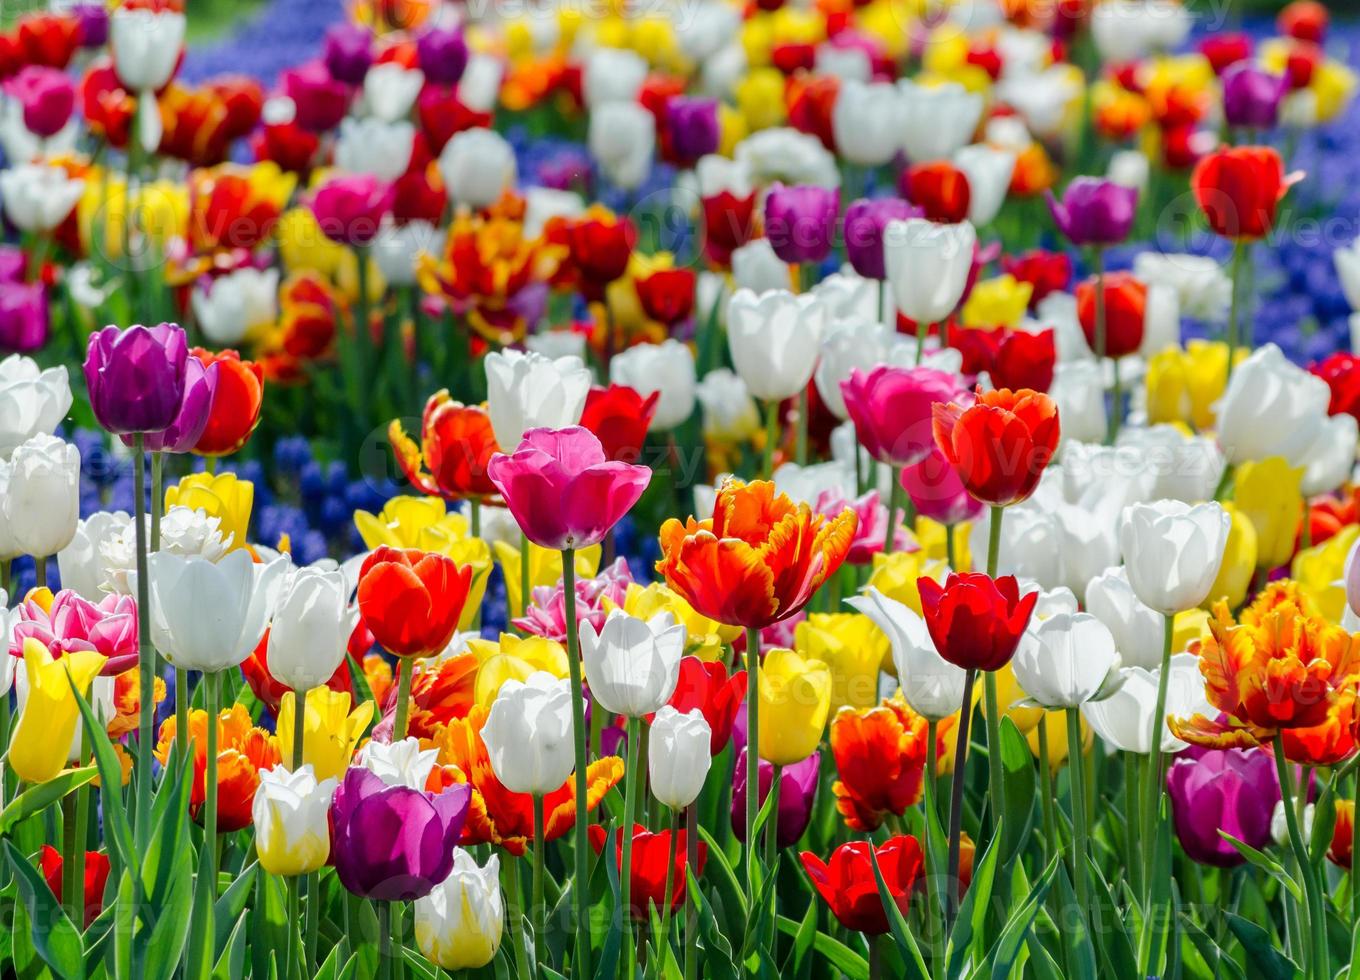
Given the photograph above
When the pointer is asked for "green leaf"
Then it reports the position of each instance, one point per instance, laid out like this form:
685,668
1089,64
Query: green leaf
607,966
38,798
227,910
1259,859
1017,764
1012,939
231,962
1214,955
717,960
1263,954
1112,936
1078,950
54,937
201,955
802,940
911,953
1159,917
1324,822
972,915
117,831
718,872
850,964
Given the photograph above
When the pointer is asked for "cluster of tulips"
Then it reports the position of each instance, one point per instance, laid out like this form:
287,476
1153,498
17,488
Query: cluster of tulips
731,394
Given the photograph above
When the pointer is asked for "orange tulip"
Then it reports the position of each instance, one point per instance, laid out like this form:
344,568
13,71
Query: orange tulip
236,403
456,443
1339,852
243,750
441,694
758,559
881,757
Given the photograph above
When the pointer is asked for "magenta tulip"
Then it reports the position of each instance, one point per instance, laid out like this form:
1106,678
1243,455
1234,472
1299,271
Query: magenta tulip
48,97
350,209
891,408
562,490
937,492
73,623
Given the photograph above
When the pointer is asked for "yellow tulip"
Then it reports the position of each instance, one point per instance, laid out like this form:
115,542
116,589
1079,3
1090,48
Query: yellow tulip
997,302
852,647
159,212
795,700
47,725
653,37
1189,626
705,638
513,658
1269,493
760,97
1182,385
1333,86
732,129
1008,696
895,575
1239,561
1057,738
1318,571
330,731
223,496
545,568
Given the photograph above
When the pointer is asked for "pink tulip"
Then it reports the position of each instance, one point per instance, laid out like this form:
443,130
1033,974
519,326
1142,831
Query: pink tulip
350,209
937,492
48,98
562,490
891,408
872,526
547,614
73,623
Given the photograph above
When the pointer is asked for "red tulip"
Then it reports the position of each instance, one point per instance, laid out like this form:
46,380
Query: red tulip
707,686
96,877
1225,50
411,600
287,144
1046,272
975,620
1125,304
619,417
667,295
848,886
601,244
729,223
243,99
455,449
1000,444
1239,188
236,402
417,197
1306,20
649,860
940,189
441,115
1341,371
1024,360
48,39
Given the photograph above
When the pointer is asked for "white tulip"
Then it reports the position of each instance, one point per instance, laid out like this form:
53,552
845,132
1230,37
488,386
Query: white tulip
477,165
398,247
146,45
867,123
81,562
541,204
785,155
989,170
458,925
703,29
1329,461
390,90
1347,262
312,625
238,305
1161,322
39,196
937,120
374,146
930,684
668,368
40,502
848,345
1124,720
632,664
1272,407
849,296
612,75
730,413
1137,629
1079,393
716,174
528,734
1067,660
291,817
1129,168
555,344
479,88
1173,551
529,391
185,532
32,401
1186,467
400,763
1202,287
773,338
678,757
1129,30
1030,545
928,266
757,268
1279,823
1043,98
849,65
622,139
206,615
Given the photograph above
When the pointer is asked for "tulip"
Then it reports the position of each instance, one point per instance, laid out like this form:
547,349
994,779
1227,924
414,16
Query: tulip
1124,304
81,562
69,623
892,410
730,413
1094,211
411,601
399,763
667,369
928,266
39,197
667,295
372,861
706,687
976,621
41,504
853,649
632,664
1268,494
1271,407
601,245
319,100
1000,444
937,493
694,128
866,122
206,615
931,685
136,377
529,735
1252,96
182,434
678,757
292,836
330,731
939,189
567,465
458,924
240,304
224,497
612,75
530,391
619,417
797,793
1172,552
390,90
800,221
1239,189
47,722
795,701
1067,660
1329,461
1233,791
23,317
756,267
866,221
1135,626
442,53
622,139
848,883
373,148
937,120
146,45
1126,720
95,878
32,401
773,339
347,51
237,400
656,861
988,170
350,209
456,445
47,97
312,625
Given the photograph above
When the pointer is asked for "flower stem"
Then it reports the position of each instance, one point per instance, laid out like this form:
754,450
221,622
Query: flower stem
933,902
752,753
299,724
581,886
208,862
405,668
145,655
956,802
1152,792
995,776
1319,959
771,438
994,540
182,712
772,828
634,776
1076,773
524,578
1236,269
157,498
1046,775
313,919
385,939
801,445
72,887
894,498
538,912
664,940
691,919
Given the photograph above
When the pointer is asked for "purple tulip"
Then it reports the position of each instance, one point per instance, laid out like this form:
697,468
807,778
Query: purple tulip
320,100
693,126
93,19
394,843
183,433
23,317
348,52
800,221
865,220
1094,211
13,264
136,377
1233,790
1251,95
797,787
48,98
350,209
442,54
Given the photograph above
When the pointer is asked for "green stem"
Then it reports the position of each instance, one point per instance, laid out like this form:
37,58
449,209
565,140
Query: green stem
299,725
1236,268
291,884
995,776
524,577
772,823
894,498
633,774
208,862
801,433
72,887
157,498
1078,796
1319,959
475,524
691,918
933,902
922,330
40,571
951,880
538,912
1152,791
994,540
949,554
405,668
363,338
771,438
6,571
182,712
1098,265
384,910
581,886
1046,777
146,658
313,919
1116,403
664,940
752,754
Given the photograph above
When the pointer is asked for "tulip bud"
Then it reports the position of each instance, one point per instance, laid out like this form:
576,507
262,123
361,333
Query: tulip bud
632,664
458,925
41,505
292,834
530,391
795,700
667,368
528,734
477,166
311,629
1173,551
1067,660
678,756
774,339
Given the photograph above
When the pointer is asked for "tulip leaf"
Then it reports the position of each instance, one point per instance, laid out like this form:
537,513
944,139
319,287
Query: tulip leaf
1012,939
1017,764
1266,863
906,944
1217,958
1112,936
117,831
972,913
608,964
1263,953
55,938
724,879
1042,964
717,950
201,954
125,924
38,798
362,692
417,965
28,965
1078,951
231,962
1159,915
802,940
842,957
1324,822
